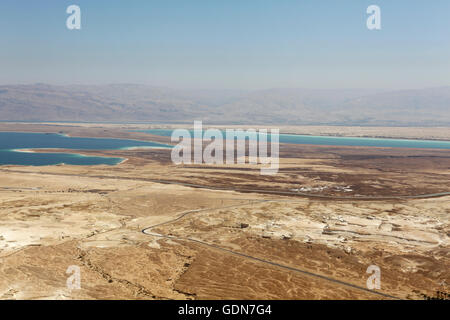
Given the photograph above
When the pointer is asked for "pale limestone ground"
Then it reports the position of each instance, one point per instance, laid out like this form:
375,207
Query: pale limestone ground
51,222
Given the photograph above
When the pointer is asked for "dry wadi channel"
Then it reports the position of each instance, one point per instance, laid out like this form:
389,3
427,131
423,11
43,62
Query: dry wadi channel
147,229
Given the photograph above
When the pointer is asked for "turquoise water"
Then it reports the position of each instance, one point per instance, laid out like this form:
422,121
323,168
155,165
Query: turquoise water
341,141
10,141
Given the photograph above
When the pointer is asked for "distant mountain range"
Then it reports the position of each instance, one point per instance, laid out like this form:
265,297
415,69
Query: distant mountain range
136,103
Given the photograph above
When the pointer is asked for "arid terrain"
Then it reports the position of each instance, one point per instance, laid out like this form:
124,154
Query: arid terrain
148,229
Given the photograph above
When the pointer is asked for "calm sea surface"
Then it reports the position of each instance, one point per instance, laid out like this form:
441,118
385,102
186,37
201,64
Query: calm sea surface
341,141
11,141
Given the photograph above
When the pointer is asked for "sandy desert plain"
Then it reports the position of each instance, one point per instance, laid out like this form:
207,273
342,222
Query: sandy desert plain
148,229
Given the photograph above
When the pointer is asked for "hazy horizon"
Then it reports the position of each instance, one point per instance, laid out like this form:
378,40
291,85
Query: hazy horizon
224,89
276,106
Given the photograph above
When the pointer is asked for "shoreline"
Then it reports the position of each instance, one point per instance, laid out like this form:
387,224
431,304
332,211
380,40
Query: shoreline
323,136
67,135
44,150
122,130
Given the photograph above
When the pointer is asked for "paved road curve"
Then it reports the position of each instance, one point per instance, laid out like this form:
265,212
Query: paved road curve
147,231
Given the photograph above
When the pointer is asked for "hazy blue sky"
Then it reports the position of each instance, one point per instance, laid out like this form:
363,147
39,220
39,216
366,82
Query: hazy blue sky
246,44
